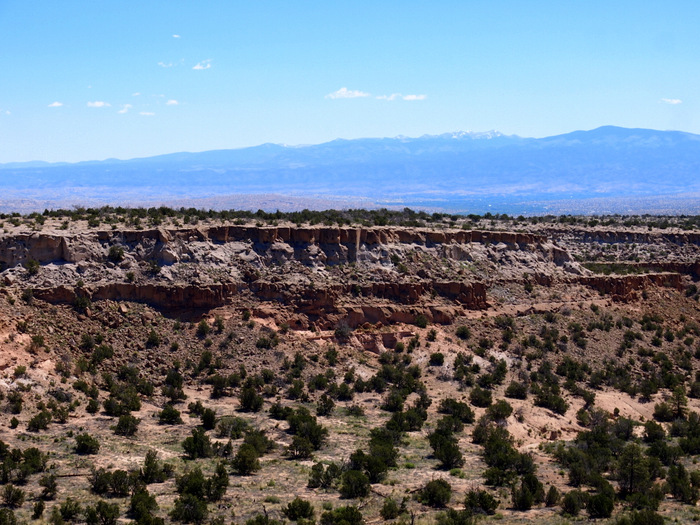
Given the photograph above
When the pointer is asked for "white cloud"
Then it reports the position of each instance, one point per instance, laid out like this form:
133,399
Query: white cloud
163,64
344,92
137,94
55,104
204,64
415,97
394,96
172,102
672,101
147,113
125,108
98,104
176,36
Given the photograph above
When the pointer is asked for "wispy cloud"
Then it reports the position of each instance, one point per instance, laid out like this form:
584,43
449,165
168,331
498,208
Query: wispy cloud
176,36
137,94
344,92
204,64
673,101
397,96
55,104
172,64
98,104
172,102
349,93
125,108
147,113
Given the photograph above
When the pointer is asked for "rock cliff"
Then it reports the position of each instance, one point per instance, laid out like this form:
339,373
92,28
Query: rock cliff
312,275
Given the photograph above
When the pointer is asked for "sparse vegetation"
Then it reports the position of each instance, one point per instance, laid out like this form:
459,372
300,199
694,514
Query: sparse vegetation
281,393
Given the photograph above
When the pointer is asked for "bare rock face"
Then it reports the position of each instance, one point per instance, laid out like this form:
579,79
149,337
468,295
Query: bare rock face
317,275
625,287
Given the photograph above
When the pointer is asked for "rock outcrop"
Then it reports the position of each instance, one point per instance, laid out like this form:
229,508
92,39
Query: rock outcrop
315,275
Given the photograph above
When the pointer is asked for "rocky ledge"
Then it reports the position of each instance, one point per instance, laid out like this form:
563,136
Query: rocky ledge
311,276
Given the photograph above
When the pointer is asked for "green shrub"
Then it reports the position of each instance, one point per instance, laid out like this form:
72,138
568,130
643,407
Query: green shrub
455,517
600,506
142,505
325,406
479,501
391,509
208,418
37,510
12,496
446,450
436,493
93,406
203,329
100,480
102,513
354,484
349,515
7,517
573,502
250,400
169,416
245,461
663,412
70,509
480,397
298,509
516,390
116,253
457,409
523,498
120,483
300,448
324,477
499,411
153,471
198,445
49,486
263,519
302,423
259,441
127,425
32,266
189,509
40,421
437,359
86,444
232,427
553,496
153,340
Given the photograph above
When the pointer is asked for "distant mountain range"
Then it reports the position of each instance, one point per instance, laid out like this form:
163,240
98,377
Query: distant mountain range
449,170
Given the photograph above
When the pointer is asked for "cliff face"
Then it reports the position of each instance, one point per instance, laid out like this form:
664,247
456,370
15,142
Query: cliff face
339,245
625,287
309,275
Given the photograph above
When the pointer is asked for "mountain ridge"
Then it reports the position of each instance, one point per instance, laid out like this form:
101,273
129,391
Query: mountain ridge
445,169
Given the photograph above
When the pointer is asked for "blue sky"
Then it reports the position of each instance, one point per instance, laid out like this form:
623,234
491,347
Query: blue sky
90,79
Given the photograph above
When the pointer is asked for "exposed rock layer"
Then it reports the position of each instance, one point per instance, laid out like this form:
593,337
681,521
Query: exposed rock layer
384,274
